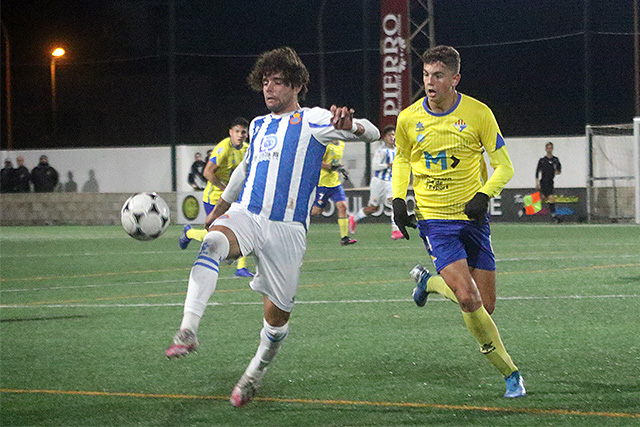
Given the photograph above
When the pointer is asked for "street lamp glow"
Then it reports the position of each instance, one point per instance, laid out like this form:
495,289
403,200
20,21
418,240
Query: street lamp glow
58,52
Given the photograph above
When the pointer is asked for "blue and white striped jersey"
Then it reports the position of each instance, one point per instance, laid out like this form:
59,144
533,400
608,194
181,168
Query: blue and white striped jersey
283,162
381,160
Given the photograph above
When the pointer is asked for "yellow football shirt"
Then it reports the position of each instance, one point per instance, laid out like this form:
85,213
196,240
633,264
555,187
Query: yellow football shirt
227,157
444,151
332,155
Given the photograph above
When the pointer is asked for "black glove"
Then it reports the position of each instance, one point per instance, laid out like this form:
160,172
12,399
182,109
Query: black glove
476,208
344,173
401,218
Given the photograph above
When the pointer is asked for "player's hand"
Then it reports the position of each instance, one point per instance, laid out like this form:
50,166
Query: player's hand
344,173
342,117
476,208
401,218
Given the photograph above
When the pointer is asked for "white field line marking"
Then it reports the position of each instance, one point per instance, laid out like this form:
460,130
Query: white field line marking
309,249
360,301
150,282
516,259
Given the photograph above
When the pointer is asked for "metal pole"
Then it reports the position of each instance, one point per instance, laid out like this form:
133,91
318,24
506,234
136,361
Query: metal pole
365,87
636,56
54,104
587,63
323,94
636,144
7,86
172,92
432,26
590,182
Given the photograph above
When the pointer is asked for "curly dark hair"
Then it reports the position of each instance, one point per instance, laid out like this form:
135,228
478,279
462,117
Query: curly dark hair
283,60
445,54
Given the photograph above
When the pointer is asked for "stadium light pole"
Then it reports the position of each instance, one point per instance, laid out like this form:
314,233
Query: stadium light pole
56,54
7,86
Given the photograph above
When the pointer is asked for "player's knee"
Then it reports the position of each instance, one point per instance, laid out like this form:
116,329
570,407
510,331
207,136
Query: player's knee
216,245
469,301
490,306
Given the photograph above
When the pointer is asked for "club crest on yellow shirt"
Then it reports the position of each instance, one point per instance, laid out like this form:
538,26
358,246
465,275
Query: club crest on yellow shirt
460,125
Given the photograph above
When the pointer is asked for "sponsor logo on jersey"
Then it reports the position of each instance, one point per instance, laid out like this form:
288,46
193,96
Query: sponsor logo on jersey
268,143
420,138
460,125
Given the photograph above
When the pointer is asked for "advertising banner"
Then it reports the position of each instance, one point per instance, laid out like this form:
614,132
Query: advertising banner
395,55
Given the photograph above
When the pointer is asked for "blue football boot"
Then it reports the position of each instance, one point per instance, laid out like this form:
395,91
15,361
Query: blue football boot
183,240
515,385
421,275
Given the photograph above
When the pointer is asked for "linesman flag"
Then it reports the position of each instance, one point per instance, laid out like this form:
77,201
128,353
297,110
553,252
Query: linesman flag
532,203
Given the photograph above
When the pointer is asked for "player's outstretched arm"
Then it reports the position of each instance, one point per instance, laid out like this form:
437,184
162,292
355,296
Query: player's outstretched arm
342,119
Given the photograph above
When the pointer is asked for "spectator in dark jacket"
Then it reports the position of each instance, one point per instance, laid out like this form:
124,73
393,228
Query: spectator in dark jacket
23,177
44,177
8,180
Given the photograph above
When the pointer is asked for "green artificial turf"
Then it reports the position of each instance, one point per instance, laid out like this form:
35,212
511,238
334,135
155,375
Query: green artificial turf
86,313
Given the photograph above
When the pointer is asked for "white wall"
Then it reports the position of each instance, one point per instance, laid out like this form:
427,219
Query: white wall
525,152
117,170
131,170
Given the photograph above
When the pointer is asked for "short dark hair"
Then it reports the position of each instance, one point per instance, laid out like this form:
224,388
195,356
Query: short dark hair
283,60
548,144
239,121
387,129
445,54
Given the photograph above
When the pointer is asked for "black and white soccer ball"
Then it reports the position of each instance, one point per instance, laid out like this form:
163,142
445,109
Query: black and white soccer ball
145,216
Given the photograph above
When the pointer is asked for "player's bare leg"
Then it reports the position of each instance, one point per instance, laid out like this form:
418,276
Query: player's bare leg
218,245
486,283
274,331
480,323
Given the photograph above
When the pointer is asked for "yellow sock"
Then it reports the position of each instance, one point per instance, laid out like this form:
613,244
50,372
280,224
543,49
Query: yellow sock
438,285
197,234
343,223
483,329
242,262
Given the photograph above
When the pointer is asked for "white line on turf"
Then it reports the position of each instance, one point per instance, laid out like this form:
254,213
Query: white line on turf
359,301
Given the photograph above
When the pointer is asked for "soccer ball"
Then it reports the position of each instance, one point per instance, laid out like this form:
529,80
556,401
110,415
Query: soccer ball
145,216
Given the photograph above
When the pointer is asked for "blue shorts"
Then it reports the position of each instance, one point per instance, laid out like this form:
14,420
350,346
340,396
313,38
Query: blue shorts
451,240
325,193
208,207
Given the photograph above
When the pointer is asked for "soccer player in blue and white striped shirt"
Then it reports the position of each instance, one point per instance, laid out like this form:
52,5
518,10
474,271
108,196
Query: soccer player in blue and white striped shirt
381,190
265,208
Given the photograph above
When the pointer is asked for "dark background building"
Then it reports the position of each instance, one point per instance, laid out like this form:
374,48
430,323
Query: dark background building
546,67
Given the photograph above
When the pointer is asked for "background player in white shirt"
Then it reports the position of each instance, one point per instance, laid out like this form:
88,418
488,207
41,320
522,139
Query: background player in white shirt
381,190
273,189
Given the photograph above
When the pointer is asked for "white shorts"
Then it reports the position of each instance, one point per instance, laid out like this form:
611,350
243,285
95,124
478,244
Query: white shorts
380,191
278,246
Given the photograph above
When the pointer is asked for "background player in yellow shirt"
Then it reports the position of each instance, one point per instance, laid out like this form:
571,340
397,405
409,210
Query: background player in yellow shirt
223,160
441,139
329,187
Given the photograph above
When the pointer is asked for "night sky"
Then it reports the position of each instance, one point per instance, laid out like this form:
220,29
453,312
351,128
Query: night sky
525,59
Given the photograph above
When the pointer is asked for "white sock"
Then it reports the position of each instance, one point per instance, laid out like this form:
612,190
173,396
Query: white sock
394,227
359,215
270,339
203,278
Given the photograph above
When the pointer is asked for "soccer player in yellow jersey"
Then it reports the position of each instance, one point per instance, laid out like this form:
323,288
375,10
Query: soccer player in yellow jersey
441,139
329,187
223,160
